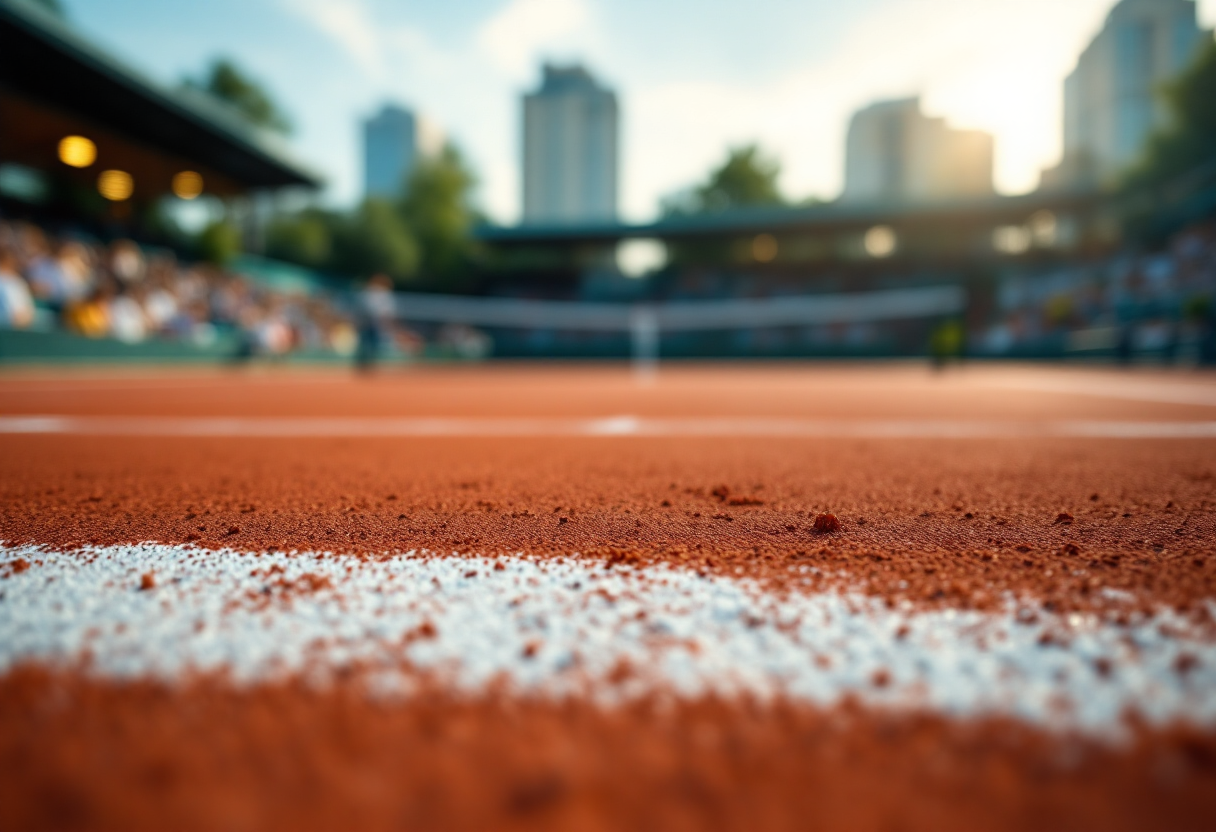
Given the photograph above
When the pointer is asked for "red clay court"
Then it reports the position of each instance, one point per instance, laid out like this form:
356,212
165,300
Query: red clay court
553,597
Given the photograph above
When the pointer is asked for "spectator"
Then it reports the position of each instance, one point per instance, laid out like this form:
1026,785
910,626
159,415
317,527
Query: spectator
465,341
47,277
128,321
16,304
126,262
1128,306
91,317
121,291
376,309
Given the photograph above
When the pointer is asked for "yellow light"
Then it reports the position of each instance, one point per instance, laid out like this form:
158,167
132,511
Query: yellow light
187,184
764,248
77,151
880,241
115,185
1011,239
1044,229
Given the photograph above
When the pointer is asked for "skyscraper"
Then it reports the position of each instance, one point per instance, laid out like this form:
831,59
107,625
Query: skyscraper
569,149
1111,100
894,152
393,141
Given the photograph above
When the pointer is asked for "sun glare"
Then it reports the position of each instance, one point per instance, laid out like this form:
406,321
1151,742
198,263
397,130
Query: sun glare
1005,97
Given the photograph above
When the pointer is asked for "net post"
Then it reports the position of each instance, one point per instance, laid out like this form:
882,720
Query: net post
644,343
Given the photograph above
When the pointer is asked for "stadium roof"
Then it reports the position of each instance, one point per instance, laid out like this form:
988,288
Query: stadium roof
996,210
45,60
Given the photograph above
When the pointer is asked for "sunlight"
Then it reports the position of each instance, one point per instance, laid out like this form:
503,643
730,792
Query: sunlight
1006,99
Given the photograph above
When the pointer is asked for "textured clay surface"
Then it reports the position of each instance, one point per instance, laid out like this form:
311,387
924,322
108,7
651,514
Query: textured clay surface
936,522
80,755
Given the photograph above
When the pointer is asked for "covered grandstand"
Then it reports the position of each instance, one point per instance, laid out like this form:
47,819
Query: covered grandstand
56,85
1049,274
93,157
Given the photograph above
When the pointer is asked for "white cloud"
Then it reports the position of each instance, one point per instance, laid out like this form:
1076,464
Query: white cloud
997,67
349,24
470,87
523,29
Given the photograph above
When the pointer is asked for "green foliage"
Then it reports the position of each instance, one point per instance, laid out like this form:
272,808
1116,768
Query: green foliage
52,6
424,237
747,178
1197,308
436,207
219,243
227,82
374,239
305,238
1190,140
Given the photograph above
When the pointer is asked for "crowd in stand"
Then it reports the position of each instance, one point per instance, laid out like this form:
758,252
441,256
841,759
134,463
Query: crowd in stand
1158,303
1161,304
123,291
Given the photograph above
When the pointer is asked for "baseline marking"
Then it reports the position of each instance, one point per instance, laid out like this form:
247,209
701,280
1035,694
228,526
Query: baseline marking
611,426
1130,390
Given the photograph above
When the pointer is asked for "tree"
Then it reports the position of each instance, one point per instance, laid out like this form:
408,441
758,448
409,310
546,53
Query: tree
226,82
747,178
305,238
219,242
374,239
52,6
423,237
1190,140
436,207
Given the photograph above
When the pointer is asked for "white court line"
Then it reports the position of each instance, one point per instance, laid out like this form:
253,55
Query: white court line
621,426
1139,391
561,626
18,385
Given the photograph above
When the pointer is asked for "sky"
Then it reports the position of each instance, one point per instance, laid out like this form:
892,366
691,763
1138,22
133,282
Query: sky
693,77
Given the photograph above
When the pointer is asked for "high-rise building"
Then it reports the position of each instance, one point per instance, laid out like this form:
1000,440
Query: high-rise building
894,152
1112,99
569,149
393,141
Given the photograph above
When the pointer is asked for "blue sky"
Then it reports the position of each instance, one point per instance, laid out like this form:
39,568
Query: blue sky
693,77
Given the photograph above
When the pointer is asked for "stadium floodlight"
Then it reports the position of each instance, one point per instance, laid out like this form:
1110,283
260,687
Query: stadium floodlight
1044,229
187,184
1011,239
764,248
77,151
115,185
880,241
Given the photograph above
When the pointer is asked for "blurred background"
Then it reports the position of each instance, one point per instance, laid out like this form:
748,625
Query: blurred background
360,180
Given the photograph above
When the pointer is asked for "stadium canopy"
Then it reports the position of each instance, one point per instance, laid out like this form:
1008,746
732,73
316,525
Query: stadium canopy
54,83
822,218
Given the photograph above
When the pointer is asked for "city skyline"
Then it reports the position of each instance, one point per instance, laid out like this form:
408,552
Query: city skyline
570,157
786,77
394,140
896,153
1112,100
